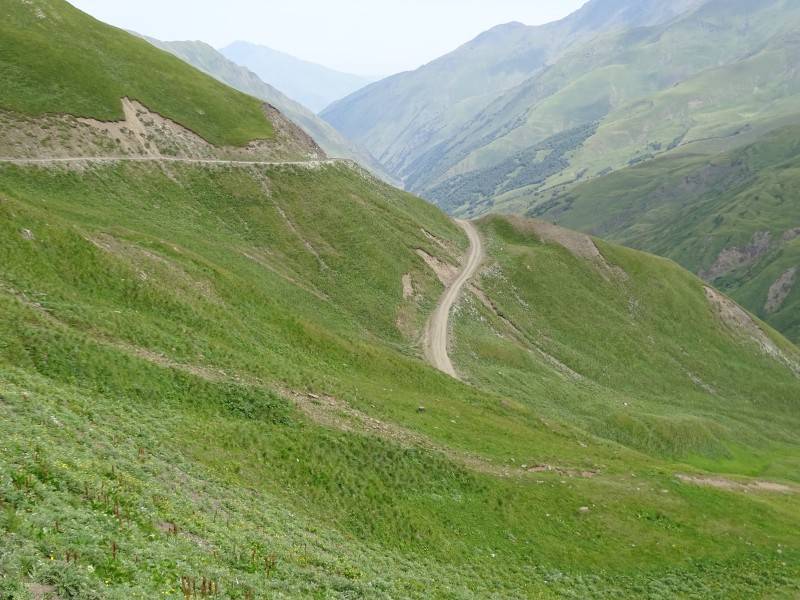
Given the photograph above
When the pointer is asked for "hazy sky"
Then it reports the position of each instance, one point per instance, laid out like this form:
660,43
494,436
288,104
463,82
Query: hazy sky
371,37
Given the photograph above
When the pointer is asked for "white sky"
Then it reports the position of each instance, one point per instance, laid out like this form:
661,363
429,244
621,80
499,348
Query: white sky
369,37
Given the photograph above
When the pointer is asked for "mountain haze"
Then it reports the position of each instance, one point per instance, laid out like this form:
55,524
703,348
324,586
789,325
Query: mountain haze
310,84
581,86
405,117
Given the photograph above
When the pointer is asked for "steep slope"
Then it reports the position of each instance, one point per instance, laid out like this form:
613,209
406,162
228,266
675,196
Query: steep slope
57,59
412,117
308,83
212,382
732,218
216,394
209,60
616,96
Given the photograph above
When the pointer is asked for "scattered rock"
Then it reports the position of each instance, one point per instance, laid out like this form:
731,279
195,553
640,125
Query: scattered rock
583,510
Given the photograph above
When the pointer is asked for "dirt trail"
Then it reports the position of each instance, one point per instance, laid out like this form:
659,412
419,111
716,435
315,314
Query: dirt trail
437,328
202,161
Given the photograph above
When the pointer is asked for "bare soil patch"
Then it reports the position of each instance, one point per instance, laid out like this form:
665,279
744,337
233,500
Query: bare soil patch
738,256
738,486
446,272
143,134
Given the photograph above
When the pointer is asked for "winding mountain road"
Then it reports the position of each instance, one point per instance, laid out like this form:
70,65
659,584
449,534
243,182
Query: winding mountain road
436,332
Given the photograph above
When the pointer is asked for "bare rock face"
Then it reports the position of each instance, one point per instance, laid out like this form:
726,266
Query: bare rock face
779,290
738,256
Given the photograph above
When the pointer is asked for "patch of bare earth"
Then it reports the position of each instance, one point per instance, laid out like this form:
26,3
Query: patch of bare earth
446,272
143,134
408,287
738,486
41,591
333,413
791,235
780,290
739,321
407,310
738,256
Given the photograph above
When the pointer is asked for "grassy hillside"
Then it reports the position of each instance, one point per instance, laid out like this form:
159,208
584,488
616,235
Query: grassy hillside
221,369
212,384
57,59
731,217
412,122
207,59
616,83
732,76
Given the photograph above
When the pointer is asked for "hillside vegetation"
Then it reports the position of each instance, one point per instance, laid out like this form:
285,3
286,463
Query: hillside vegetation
57,59
211,326
492,124
212,384
732,218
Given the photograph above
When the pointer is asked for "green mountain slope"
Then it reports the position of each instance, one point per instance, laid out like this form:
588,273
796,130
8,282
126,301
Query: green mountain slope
604,98
408,120
207,59
212,383
57,59
211,326
732,218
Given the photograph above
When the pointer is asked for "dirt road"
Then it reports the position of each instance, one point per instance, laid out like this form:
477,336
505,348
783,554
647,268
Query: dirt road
200,161
436,332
